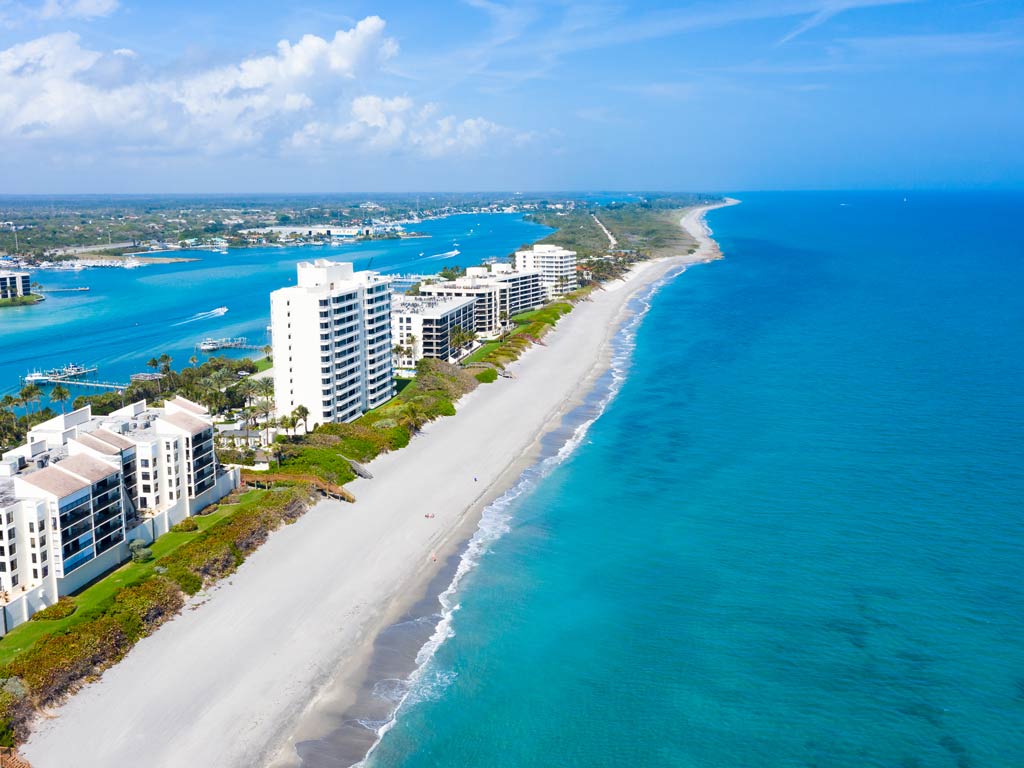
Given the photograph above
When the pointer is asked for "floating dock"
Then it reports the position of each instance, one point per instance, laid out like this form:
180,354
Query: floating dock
239,342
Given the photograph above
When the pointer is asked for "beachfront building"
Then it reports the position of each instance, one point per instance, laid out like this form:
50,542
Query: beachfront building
557,267
332,344
500,292
14,284
82,487
424,326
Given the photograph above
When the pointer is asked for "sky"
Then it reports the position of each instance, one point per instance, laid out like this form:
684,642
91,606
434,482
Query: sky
135,96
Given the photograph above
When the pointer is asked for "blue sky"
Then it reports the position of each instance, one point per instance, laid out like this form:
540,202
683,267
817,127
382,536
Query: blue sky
139,96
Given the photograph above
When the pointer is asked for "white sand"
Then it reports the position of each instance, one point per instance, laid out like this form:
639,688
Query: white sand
224,684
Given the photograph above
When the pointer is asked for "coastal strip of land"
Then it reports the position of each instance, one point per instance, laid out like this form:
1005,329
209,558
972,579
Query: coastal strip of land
226,684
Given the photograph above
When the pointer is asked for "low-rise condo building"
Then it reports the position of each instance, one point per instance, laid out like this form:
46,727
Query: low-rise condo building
14,284
500,292
331,336
82,487
557,267
425,326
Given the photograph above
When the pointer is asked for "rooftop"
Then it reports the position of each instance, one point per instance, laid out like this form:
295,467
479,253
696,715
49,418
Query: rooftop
90,468
427,305
56,481
190,424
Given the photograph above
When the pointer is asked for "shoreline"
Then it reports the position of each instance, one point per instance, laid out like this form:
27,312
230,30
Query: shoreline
340,695
302,614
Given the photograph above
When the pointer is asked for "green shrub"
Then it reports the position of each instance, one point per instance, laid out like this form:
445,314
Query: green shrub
63,608
15,713
187,581
487,376
187,525
220,549
50,666
140,552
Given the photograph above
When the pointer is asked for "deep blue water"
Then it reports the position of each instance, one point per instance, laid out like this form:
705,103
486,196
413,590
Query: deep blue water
794,538
131,315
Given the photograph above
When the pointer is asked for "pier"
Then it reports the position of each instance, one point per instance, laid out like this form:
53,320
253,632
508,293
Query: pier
117,387
62,290
240,342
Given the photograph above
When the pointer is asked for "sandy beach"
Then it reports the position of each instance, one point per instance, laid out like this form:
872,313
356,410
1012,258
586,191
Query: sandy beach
227,682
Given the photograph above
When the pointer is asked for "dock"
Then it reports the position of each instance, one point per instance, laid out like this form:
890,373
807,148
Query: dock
117,387
240,342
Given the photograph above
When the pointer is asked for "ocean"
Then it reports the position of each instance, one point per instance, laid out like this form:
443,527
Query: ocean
129,316
786,530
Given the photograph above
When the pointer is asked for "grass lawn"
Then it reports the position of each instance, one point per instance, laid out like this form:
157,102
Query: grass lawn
93,598
484,351
263,364
21,301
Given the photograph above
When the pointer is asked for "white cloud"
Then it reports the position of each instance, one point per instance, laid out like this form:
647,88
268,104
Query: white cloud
54,89
397,124
82,9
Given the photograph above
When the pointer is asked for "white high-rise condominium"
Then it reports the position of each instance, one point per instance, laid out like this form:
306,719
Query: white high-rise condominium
83,486
424,326
500,293
332,342
557,267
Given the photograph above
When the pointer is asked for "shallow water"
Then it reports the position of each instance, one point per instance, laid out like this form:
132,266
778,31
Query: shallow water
795,536
131,315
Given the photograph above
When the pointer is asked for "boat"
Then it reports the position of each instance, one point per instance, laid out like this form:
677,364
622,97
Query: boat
74,369
212,345
36,377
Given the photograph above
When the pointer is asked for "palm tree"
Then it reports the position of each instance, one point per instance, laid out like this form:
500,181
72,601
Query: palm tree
265,407
246,388
153,363
287,423
265,387
9,422
412,418
193,360
165,363
60,394
300,414
29,394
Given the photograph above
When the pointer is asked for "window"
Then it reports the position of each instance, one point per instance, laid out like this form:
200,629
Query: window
31,527
144,462
14,580
46,571
35,573
145,489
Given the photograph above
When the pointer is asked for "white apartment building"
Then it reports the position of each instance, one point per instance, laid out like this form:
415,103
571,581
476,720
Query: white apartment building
14,284
331,336
500,293
557,267
83,486
422,326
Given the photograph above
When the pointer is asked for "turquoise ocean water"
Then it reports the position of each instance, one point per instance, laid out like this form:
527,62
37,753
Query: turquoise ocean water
131,315
795,536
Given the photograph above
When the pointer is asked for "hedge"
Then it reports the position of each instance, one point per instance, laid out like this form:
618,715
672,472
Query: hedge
63,608
51,667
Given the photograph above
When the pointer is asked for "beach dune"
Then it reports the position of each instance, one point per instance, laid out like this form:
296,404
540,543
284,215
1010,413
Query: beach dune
224,684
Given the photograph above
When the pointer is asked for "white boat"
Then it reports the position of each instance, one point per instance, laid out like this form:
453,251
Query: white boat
36,377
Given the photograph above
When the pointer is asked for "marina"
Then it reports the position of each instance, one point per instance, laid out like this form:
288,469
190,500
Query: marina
59,375
240,342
